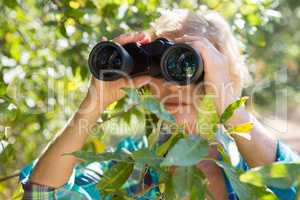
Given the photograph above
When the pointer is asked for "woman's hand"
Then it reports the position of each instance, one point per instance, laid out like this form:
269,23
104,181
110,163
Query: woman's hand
53,169
217,78
102,93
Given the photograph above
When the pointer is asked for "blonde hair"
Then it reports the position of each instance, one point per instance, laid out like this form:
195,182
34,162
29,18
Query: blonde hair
211,25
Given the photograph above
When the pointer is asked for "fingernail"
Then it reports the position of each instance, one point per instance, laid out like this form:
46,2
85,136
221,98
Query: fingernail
144,41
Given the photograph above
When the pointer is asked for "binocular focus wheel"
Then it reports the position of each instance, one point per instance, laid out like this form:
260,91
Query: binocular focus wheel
172,61
109,61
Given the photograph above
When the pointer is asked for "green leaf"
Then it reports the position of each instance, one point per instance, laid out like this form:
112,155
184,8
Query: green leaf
62,30
253,19
207,118
150,121
258,38
231,108
280,175
11,4
163,148
154,136
189,182
7,154
169,192
152,105
242,128
186,152
145,156
132,94
134,112
115,176
3,86
8,111
127,117
243,190
93,157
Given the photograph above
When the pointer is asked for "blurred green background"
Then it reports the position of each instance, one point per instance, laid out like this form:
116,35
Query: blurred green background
44,47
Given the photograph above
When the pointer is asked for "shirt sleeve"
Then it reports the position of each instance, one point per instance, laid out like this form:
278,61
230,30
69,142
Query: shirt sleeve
81,184
285,154
37,192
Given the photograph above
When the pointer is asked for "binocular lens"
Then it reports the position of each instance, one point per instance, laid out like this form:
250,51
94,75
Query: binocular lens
107,61
181,65
108,58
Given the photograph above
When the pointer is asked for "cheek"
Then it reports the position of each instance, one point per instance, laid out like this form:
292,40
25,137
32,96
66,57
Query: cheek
157,86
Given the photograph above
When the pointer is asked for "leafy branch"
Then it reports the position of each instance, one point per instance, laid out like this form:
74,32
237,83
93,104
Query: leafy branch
183,152
9,177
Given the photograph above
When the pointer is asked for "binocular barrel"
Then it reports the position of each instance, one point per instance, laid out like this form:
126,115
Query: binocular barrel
175,62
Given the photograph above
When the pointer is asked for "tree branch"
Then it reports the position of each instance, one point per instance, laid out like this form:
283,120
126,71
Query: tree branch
9,177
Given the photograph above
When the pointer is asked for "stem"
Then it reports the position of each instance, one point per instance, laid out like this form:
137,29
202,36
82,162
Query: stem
116,115
9,177
145,190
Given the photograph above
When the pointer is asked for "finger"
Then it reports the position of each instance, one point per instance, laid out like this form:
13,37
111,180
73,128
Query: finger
205,47
204,42
186,38
144,41
128,38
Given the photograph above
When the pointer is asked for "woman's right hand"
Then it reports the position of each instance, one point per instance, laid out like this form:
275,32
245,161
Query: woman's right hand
103,93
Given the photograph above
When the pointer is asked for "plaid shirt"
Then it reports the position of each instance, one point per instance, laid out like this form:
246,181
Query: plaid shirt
82,183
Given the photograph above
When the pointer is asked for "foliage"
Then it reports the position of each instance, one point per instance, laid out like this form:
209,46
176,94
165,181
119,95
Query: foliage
184,154
43,57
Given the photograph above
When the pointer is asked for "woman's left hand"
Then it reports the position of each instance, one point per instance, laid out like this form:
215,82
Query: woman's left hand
217,78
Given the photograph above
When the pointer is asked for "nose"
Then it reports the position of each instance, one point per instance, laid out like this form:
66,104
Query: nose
175,87
172,88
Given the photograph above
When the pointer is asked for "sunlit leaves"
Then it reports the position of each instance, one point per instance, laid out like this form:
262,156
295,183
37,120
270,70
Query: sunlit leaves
3,86
258,38
152,105
7,152
145,156
231,108
186,152
163,148
41,30
99,146
141,156
132,95
115,176
74,4
189,182
106,156
9,110
280,175
207,118
243,190
242,128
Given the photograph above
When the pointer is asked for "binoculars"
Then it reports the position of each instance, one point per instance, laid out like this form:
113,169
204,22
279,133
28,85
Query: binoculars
175,62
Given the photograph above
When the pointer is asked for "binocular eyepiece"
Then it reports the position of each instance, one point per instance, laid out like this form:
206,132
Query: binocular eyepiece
162,58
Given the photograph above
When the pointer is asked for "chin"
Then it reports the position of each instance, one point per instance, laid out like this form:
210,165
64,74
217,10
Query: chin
179,109
185,114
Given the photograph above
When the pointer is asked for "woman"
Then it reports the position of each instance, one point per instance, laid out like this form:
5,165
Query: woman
225,75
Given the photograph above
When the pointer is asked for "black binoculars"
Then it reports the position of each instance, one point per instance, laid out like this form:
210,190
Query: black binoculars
175,62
